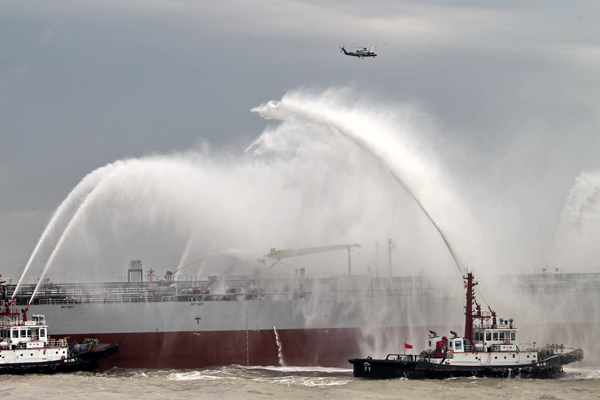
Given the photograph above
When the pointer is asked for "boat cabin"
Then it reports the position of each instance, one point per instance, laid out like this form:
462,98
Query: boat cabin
501,337
15,333
459,345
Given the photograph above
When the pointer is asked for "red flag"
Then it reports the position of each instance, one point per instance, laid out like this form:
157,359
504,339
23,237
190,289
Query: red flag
407,346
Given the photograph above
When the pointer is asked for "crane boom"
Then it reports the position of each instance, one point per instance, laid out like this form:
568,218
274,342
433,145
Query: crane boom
278,254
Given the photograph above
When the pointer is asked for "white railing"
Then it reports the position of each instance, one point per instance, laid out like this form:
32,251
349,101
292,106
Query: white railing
57,343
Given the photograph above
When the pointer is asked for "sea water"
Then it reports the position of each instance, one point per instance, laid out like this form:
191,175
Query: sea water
236,382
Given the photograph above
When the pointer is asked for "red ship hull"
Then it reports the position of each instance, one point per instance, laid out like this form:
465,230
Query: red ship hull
188,350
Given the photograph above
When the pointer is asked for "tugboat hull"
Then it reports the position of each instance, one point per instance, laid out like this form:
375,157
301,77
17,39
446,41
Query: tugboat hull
86,360
388,369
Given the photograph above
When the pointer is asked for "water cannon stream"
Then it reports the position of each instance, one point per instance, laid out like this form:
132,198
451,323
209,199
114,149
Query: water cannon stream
285,110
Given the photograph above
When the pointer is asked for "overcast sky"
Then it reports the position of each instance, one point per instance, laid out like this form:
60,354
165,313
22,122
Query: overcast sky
509,92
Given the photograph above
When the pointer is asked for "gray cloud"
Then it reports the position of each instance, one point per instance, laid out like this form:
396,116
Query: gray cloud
510,90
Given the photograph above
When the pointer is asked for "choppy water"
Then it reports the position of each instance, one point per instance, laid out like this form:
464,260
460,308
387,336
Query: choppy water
286,383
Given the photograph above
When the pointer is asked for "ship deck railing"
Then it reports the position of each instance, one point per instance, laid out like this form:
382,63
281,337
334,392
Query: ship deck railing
373,287
97,300
20,344
56,343
551,281
148,297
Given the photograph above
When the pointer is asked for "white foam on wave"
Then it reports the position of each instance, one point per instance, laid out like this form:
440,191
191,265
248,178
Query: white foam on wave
305,381
580,374
299,369
194,376
297,376
289,376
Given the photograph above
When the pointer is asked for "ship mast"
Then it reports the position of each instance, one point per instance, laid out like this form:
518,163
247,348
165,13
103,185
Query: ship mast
469,317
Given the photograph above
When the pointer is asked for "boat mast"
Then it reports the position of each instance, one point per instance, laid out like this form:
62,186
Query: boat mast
469,317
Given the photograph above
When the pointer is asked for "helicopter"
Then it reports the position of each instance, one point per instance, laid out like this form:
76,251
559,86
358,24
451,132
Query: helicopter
359,52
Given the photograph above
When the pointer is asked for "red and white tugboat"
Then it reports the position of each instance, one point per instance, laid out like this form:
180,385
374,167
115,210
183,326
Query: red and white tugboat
488,348
26,347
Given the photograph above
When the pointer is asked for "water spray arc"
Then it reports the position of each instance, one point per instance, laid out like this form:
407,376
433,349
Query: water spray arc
82,190
288,110
225,253
89,199
574,241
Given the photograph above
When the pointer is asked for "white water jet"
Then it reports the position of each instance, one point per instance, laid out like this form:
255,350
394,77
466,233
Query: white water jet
371,136
329,174
576,239
279,349
583,202
88,199
79,192
222,263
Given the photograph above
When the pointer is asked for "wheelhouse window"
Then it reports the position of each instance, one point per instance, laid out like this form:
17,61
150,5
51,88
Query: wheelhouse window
42,332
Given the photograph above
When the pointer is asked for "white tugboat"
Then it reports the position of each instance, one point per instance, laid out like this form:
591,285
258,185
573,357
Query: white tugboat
26,347
488,348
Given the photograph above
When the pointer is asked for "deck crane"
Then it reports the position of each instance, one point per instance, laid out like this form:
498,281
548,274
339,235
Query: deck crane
278,254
